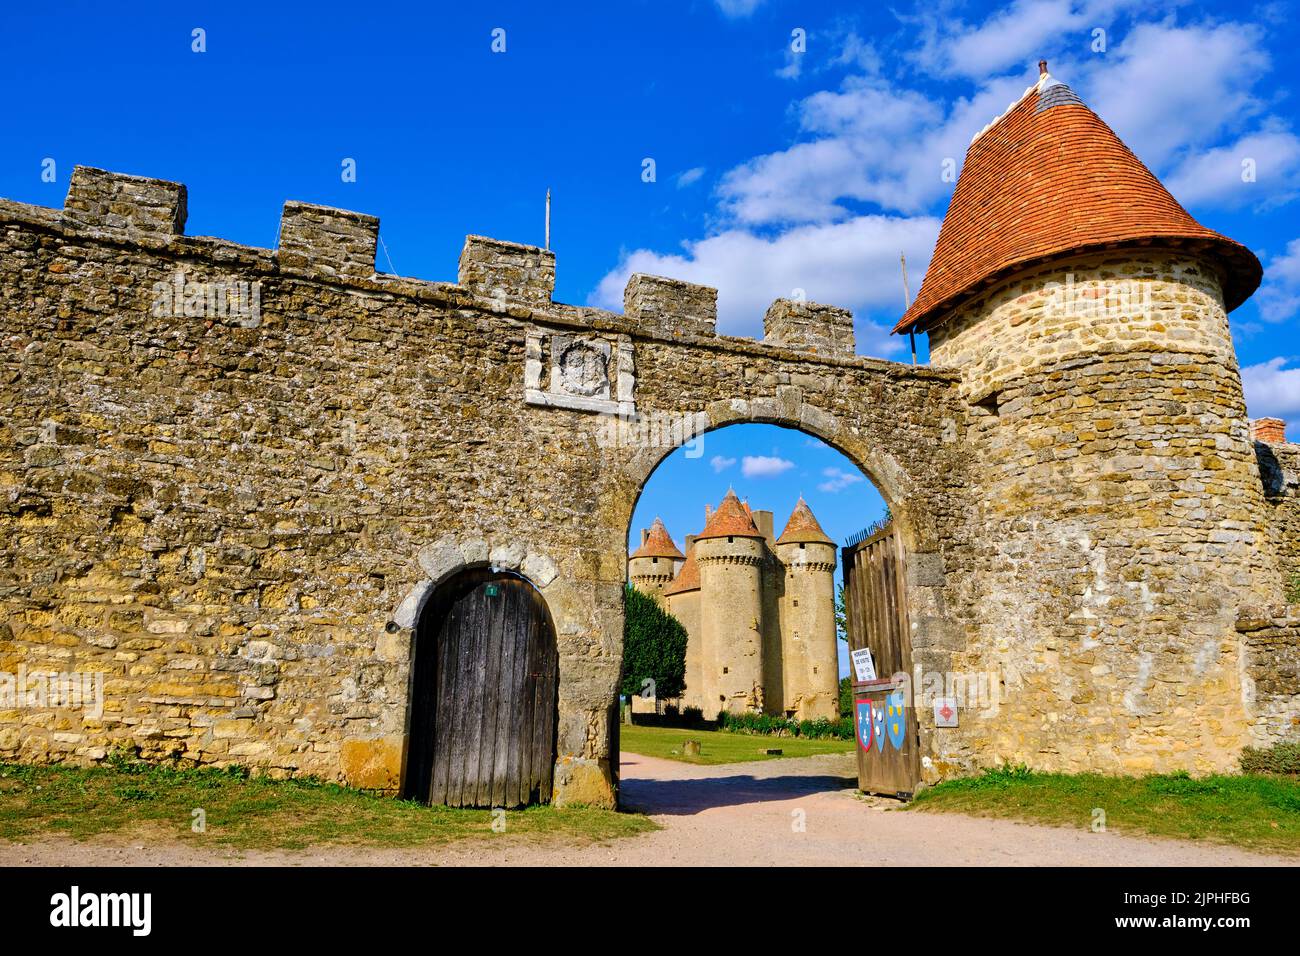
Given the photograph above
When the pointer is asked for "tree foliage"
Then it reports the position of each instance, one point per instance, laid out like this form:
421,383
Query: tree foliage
654,647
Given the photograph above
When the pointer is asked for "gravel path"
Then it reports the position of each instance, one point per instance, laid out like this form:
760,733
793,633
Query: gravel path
735,814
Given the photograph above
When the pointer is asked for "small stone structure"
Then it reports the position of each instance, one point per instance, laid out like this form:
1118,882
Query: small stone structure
759,611
235,518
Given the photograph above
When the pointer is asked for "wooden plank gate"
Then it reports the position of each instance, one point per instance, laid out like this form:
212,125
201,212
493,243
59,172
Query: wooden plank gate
888,744
484,695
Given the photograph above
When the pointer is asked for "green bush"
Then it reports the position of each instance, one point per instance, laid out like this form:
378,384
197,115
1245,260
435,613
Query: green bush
768,725
654,647
1280,758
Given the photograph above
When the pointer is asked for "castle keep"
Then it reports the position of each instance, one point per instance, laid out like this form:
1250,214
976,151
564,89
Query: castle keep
759,611
253,526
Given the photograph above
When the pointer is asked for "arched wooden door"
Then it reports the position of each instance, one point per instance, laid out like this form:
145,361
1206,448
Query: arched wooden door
484,695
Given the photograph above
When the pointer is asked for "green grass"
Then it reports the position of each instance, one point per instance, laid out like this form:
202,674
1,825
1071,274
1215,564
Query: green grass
1255,811
719,746
141,801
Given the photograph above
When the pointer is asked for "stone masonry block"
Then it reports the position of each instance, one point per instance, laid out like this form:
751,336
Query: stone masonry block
670,306
507,271
824,329
333,241
132,205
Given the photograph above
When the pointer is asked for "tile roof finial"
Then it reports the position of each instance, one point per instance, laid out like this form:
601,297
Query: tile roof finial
1042,67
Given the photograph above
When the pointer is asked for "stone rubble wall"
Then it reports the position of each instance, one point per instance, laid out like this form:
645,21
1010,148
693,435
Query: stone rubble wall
1279,468
237,522
1123,518
1272,659
824,329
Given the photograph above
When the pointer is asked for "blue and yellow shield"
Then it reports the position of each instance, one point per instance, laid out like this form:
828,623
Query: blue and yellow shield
863,712
878,725
895,719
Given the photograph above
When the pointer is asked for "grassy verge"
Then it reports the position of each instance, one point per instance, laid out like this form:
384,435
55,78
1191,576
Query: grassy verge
1255,811
720,746
243,812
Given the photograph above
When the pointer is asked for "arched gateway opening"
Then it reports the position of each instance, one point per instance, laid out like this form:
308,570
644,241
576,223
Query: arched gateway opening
484,687
780,559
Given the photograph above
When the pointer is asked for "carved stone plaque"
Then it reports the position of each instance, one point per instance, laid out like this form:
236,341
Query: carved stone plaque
584,369
591,372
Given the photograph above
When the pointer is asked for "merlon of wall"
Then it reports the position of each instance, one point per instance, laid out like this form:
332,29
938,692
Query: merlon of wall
670,306
336,241
824,329
507,270
125,204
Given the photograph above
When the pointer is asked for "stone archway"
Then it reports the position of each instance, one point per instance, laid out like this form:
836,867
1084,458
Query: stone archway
926,584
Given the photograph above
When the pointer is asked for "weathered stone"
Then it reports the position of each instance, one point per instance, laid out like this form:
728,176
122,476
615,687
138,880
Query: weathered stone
1082,493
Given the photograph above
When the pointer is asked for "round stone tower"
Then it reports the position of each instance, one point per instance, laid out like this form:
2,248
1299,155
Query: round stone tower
651,567
808,649
1118,494
683,597
730,552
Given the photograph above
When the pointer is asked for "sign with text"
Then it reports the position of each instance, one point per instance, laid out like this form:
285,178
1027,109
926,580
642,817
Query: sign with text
863,665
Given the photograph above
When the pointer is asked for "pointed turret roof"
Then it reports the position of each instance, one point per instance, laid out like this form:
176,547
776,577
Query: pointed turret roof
732,519
1049,179
803,527
688,578
658,544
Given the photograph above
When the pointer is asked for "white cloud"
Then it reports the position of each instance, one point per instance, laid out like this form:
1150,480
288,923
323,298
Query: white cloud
1217,176
793,68
1169,91
851,264
830,213
689,177
721,464
1021,33
1272,390
869,142
1279,296
764,466
738,8
838,479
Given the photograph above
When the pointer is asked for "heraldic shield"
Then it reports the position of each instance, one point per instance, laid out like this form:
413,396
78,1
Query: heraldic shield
896,719
862,710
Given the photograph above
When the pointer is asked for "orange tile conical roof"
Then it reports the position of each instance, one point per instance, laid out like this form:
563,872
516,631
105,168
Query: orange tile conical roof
803,527
1048,179
688,578
658,544
732,519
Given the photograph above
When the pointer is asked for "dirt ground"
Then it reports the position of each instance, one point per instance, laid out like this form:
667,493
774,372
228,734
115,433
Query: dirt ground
801,812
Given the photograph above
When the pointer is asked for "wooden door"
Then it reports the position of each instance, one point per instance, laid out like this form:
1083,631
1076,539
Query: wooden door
888,742
484,695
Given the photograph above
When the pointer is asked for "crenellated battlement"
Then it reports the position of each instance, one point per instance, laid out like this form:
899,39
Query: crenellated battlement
339,245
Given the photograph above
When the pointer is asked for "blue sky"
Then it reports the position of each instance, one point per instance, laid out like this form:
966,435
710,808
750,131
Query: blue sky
775,170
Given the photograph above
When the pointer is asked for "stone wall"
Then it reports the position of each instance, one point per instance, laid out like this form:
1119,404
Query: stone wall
1272,659
230,477
1279,468
1122,513
235,515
